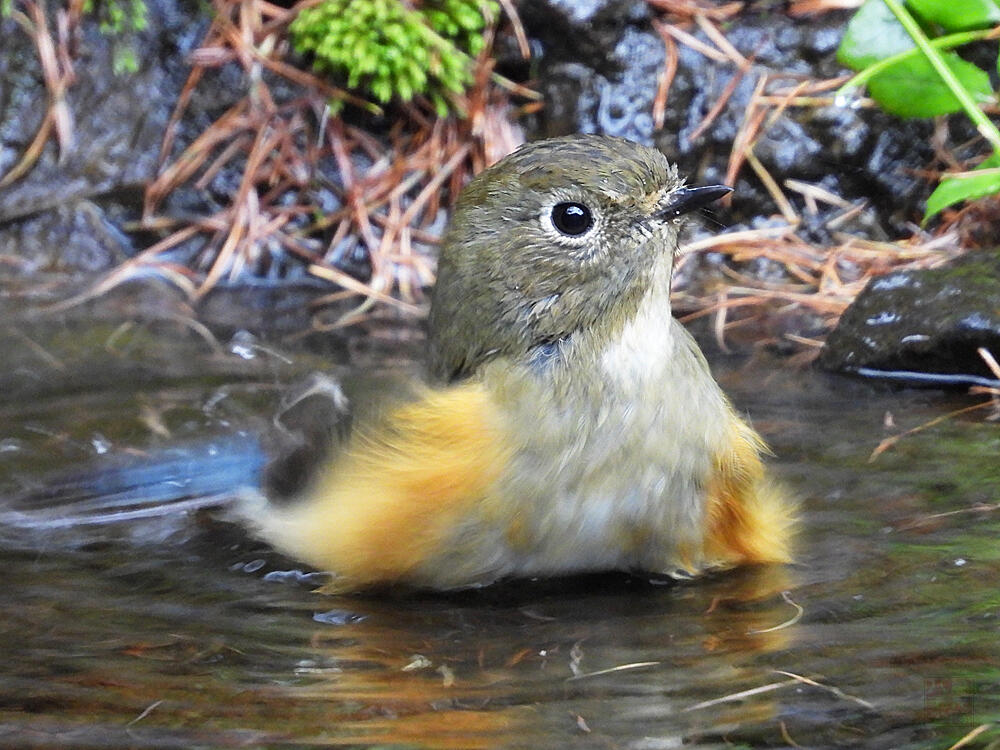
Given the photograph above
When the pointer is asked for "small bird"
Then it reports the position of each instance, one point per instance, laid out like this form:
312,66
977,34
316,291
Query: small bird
570,423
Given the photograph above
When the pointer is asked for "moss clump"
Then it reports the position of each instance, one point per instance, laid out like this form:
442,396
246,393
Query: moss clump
115,18
391,49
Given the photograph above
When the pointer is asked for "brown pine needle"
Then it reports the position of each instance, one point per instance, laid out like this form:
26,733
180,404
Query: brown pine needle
804,341
612,670
666,77
515,23
720,103
815,7
787,211
770,687
830,688
968,738
713,33
889,442
753,118
720,322
690,8
694,43
32,153
58,74
799,611
990,361
817,193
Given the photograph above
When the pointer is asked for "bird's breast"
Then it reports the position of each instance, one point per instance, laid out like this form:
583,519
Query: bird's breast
607,465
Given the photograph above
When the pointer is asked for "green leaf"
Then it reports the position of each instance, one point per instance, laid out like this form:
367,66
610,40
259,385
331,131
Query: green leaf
958,15
912,88
872,34
952,190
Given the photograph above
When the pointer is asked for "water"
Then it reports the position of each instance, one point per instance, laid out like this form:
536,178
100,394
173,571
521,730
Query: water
179,631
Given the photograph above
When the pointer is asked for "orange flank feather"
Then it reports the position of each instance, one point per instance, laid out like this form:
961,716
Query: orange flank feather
397,491
749,520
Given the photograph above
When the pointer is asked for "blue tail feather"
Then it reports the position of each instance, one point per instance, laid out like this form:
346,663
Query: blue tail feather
180,478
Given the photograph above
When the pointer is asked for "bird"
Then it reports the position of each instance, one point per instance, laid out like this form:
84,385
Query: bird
568,423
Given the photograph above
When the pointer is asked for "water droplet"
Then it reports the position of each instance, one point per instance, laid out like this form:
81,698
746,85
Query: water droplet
100,443
296,576
243,345
253,566
10,445
848,98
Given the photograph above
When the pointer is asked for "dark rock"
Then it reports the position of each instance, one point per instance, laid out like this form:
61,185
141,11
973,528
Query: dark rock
65,213
77,235
858,154
585,31
922,326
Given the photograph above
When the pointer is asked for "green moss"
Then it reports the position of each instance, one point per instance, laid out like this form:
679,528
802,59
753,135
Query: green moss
389,50
115,18
118,18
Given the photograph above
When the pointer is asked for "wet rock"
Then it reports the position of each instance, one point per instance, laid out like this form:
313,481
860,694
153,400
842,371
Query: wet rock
623,105
65,214
75,235
858,154
922,326
585,32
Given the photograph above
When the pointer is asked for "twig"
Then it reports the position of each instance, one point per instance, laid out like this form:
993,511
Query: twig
835,690
787,211
721,42
666,77
968,738
799,611
694,43
770,687
611,670
889,442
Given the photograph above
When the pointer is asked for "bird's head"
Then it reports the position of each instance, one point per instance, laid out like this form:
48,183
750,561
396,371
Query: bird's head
563,236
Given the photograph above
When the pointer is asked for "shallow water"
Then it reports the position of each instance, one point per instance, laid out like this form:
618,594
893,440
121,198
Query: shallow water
179,631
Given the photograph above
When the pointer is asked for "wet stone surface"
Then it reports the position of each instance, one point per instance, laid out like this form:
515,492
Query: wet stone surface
858,154
67,212
925,323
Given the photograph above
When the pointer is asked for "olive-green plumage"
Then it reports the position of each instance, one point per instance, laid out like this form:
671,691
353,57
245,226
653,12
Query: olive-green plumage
575,424
508,280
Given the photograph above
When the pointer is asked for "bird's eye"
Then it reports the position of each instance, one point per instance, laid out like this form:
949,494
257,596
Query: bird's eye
572,219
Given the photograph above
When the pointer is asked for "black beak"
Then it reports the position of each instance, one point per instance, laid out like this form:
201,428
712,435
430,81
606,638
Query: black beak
689,199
